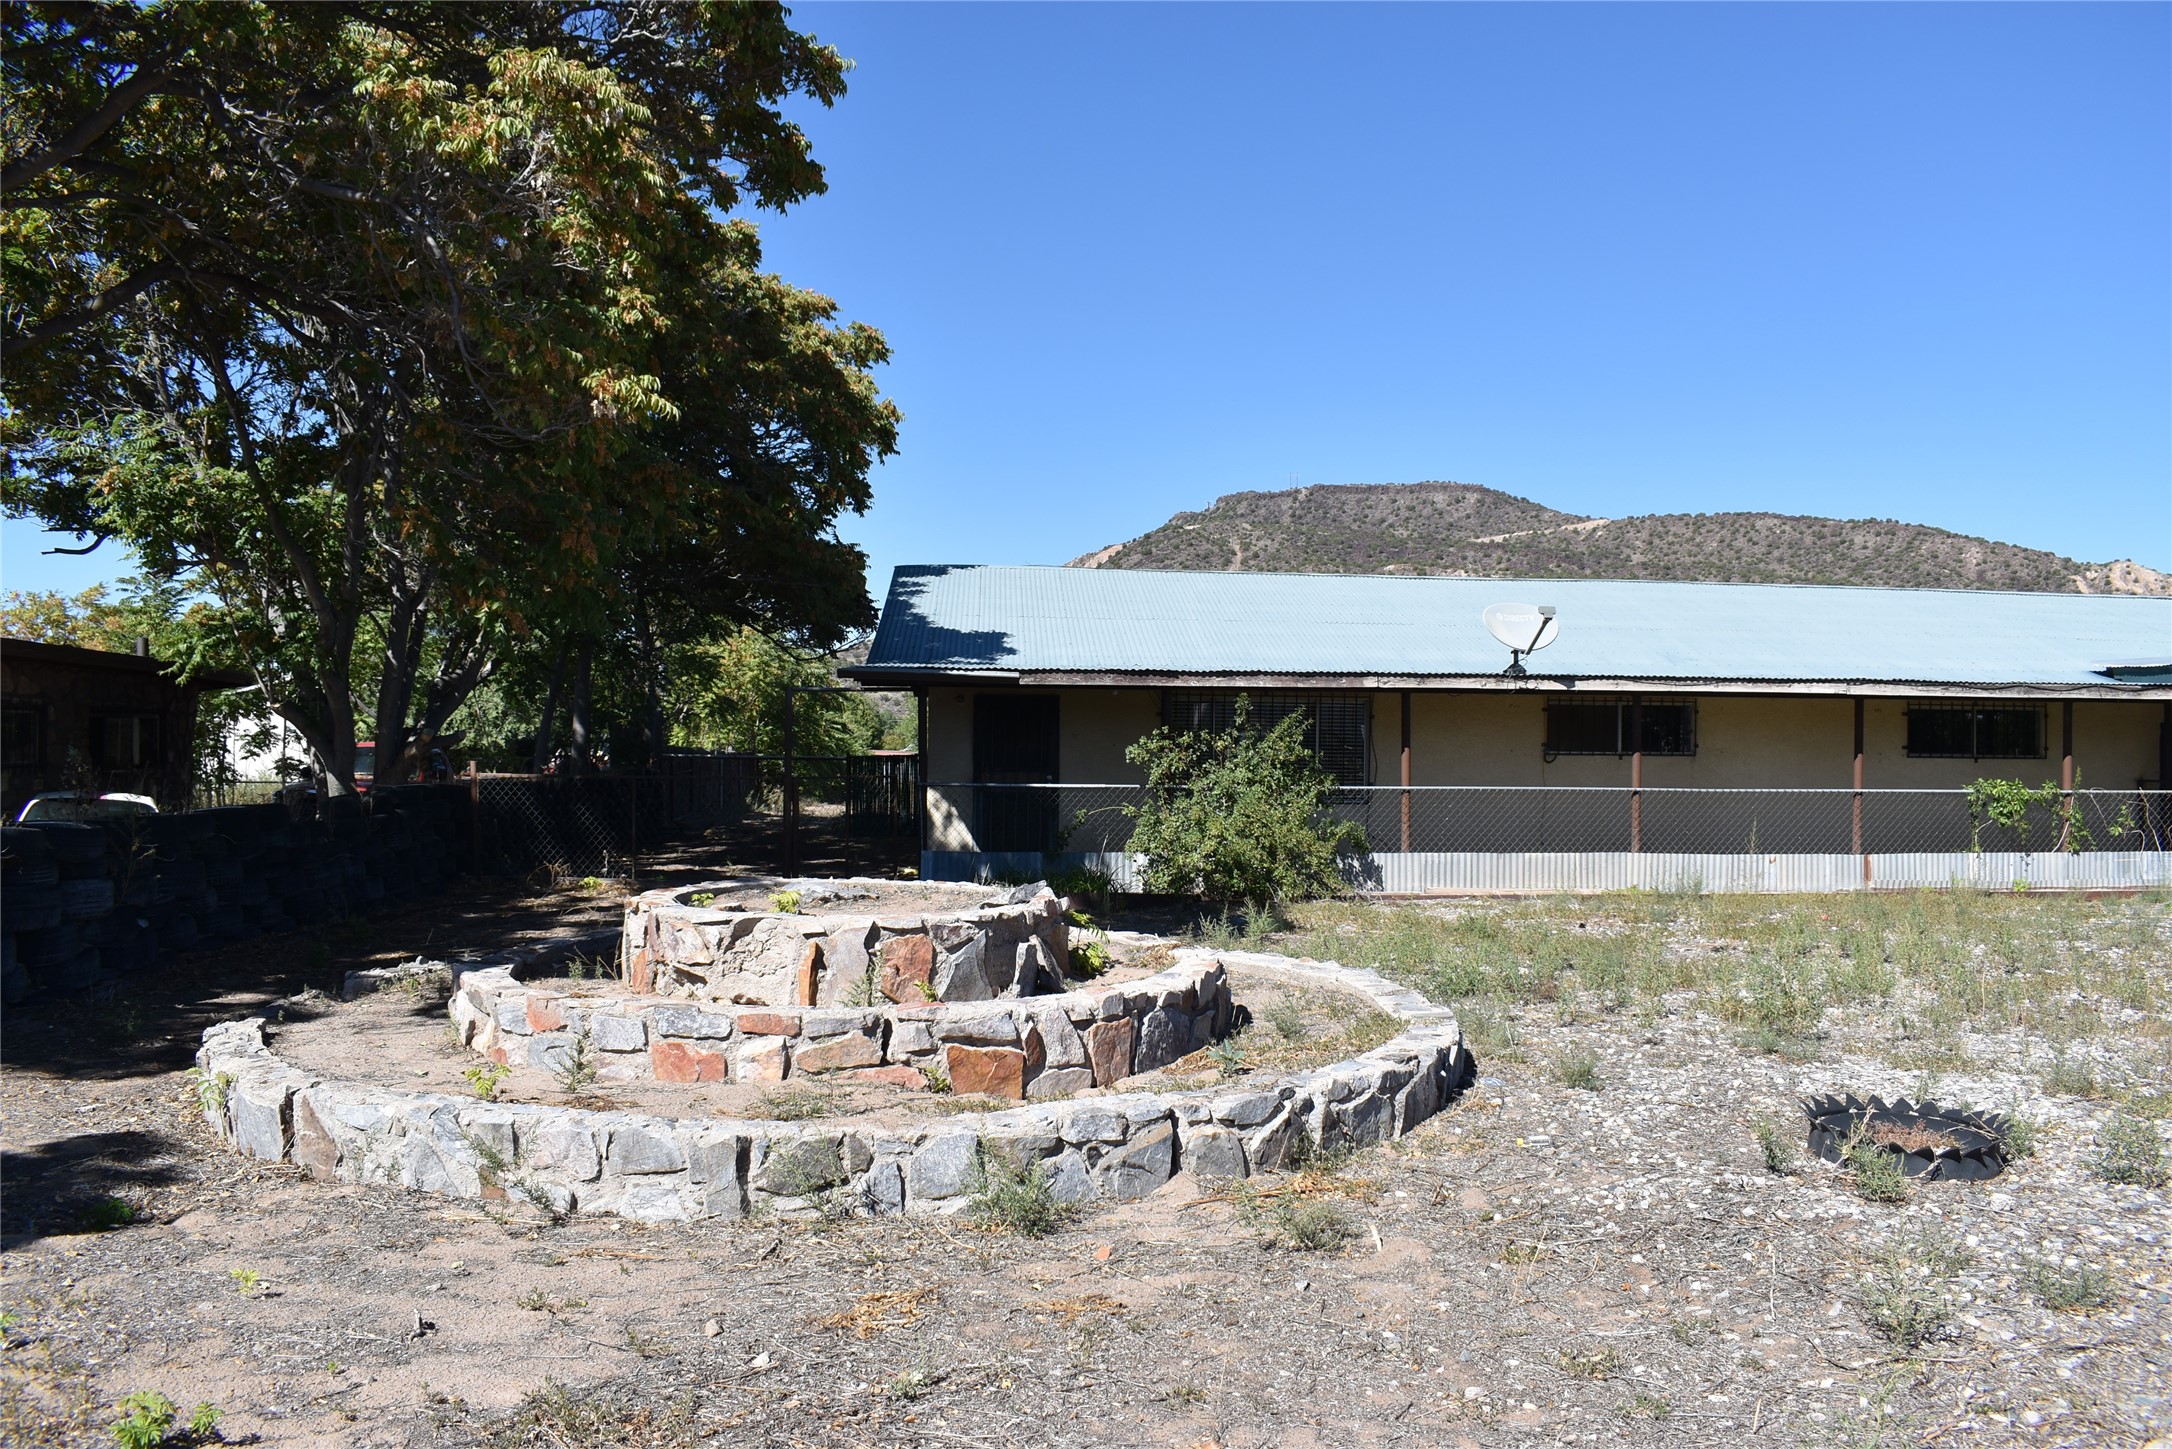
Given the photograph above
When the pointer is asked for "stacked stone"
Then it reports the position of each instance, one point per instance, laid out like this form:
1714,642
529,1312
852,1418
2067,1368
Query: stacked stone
1030,1048
565,1159
1015,945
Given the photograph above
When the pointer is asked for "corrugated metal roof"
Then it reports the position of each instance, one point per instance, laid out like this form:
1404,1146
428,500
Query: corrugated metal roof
964,618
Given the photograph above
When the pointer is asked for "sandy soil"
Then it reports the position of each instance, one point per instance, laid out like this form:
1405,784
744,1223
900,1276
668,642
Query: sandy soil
1542,1264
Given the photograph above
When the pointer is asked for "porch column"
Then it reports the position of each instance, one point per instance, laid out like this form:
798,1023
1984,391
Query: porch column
1636,777
920,736
2066,771
1406,772
1855,812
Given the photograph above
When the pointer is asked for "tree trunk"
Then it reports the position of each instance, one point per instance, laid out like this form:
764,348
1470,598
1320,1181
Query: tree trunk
543,731
583,680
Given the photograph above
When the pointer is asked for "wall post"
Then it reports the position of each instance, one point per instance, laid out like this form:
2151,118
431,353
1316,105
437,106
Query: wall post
1636,777
1406,772
2066,773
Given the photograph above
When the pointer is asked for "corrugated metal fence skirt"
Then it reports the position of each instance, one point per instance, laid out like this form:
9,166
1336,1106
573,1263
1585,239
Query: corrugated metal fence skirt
1429,873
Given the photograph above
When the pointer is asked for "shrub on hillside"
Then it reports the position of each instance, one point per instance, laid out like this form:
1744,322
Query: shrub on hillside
1238,816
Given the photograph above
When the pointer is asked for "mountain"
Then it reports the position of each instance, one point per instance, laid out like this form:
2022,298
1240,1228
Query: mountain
1464,529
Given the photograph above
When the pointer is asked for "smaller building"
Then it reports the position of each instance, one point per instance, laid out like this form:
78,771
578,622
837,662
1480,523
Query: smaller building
99,721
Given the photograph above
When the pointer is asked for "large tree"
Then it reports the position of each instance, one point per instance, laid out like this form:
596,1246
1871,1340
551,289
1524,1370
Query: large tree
409,329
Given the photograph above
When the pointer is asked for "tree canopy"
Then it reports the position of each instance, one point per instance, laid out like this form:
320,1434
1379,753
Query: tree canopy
423,334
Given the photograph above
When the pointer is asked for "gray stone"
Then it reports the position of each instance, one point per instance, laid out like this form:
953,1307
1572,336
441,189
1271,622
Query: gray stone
1065,1047
422,1169
1068,1180
1362,1120
636,1150
652,1202
801,1168
262,1111
1192,1112
689,1023
1092,1123
512,1015
838,1021
910,1038
845,963
488,1133
978,1028
1026,894
1268,1148
1059,1082
1248,1109
883,1189
714,1158
550,1053
1034,968
619,1033
962,975
1114,1005
1140,1165
943,1165
1164,1035
1212,1153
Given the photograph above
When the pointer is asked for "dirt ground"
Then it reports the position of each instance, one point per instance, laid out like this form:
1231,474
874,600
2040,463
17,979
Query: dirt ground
1544,1263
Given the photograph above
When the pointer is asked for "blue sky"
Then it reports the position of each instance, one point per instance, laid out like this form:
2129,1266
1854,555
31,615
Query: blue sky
1884,261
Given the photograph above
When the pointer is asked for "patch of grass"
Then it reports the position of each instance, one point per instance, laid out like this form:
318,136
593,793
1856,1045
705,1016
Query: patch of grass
1577,1069
604,1420
1647,1406
800,1104
1186,1395
2130,1151
936,1075
1598,1365
107,1214
1298,1222
1930,1252
2068,1290
1776,1144
485,1078
911,1383
1287,1018
1009,1196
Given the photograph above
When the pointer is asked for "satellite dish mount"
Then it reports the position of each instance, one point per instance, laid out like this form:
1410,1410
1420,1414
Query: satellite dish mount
1524,628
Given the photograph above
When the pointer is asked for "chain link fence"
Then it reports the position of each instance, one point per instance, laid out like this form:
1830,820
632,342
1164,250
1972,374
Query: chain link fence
1549,819
840,811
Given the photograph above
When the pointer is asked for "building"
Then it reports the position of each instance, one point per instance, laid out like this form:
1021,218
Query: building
1665,719
91,719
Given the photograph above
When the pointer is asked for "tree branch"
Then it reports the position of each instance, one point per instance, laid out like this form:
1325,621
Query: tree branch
146,79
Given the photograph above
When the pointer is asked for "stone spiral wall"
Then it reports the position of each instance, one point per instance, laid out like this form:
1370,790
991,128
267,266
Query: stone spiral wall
990,943
1033,1047
567,1159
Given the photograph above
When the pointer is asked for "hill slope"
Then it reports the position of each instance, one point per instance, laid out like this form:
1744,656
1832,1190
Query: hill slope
1465,529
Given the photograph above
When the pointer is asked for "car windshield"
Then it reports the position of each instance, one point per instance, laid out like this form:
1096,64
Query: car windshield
63,807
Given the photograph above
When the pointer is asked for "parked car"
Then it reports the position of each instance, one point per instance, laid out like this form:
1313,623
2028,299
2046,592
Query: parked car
82,805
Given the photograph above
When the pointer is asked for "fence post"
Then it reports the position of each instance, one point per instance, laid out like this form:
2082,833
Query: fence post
475,820
791,793
1406,772
2066,773
1636,777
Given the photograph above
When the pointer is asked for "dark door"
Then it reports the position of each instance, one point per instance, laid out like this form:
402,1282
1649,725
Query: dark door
1016,739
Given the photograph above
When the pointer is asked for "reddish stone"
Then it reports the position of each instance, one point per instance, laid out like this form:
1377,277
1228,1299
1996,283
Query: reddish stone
907,1078
641,973
1036,1049
678,1061
1108,1049
908,966
314,1149
810,972
851,1050
989,1071
545,1013
497,1054
768,1023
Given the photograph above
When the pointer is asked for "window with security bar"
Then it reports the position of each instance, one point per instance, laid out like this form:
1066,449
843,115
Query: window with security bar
1335,724
1975,732
1620,727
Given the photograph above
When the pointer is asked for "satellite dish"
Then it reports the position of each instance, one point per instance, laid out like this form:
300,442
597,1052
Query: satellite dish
1524,628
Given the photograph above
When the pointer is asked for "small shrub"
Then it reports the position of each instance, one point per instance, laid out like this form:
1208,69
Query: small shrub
936,1075
577,1067
1647,1406
1875,1173
484,1079
1228,1058
1599,1365
1905,1314
702,898
1777,1145
204,1421
1238,814
784,903
2068,1290
1313,1225
210,1089
1090,957
147,1417
1577,1069
2021,1135
246,1280
1287,1017
1013,1197
2130,1152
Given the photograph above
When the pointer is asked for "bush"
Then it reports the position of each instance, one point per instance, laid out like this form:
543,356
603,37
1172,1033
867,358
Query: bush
2130,1152
1238,816
1009,1196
